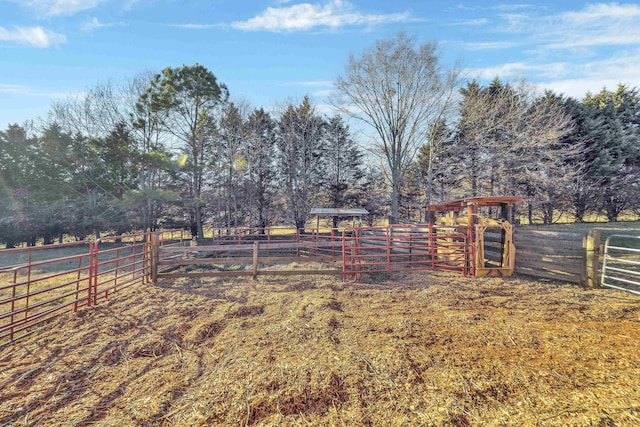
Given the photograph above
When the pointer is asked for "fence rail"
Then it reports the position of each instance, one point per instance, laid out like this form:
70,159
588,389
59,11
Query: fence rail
39,283
621,263
406,248
569,257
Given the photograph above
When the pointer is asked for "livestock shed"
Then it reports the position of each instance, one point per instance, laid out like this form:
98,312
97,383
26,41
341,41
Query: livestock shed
336,213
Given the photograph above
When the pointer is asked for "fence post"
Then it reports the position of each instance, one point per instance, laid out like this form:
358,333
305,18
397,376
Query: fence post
255,260
147,255
592,258
91,273
388,243
96,268
154,257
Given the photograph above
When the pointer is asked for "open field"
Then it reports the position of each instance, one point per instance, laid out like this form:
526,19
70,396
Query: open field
422,349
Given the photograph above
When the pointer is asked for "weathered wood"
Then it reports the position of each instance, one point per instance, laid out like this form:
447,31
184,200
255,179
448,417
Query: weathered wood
592,258
154,257
249,247
255,260
248,273
554,267
547,241
247,260
547,250
574,261
557,235
493,256
494,238
494,245
548,274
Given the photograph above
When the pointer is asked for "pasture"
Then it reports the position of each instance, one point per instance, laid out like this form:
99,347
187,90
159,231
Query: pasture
432,349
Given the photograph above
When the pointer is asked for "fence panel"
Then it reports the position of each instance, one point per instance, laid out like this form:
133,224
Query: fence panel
621,263
551,255
405,248
39,283
233,258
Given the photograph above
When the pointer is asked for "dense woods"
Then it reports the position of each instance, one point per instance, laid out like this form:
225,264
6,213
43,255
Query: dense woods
174,150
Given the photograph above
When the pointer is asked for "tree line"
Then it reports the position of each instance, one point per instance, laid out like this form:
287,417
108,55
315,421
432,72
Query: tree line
174,150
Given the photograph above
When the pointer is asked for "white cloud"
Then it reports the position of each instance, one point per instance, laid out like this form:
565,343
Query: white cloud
596,13
305,16
578,88
22,90
312,83
49,8
595,25
490,45
475,22
512,7
33,36
198,26
521,69
94,24
572,79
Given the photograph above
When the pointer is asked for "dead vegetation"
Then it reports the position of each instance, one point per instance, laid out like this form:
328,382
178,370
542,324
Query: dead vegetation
422,349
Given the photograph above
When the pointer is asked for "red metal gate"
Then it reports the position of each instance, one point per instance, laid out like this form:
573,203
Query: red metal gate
406,248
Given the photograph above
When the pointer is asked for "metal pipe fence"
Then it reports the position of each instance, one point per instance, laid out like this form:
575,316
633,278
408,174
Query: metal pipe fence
621,263
40,283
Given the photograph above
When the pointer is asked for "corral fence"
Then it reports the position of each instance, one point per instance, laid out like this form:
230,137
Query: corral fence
350,252
246,252
621,263
406,248
568,257
41,282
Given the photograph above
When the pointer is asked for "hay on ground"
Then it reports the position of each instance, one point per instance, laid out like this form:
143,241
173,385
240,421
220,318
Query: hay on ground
428,349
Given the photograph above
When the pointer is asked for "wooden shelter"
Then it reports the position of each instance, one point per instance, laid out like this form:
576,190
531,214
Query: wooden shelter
338,212
490,239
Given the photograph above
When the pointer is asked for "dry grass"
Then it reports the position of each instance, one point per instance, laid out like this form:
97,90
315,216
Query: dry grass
421,349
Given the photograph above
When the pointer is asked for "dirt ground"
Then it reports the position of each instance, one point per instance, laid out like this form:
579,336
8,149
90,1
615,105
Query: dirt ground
429,349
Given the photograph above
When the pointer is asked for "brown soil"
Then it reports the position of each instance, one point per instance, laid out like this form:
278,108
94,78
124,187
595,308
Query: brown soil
422,349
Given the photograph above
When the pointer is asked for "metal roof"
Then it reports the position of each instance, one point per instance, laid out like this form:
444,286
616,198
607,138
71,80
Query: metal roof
458,205
339,211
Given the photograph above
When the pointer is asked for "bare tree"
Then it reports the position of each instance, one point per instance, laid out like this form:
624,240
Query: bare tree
509,142
398,89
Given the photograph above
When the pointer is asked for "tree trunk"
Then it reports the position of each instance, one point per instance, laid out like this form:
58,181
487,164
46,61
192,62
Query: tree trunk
395,196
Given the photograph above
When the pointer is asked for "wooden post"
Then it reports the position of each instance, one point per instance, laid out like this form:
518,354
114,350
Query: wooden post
432,246
591,245
388,243
154,257
470,238
255,260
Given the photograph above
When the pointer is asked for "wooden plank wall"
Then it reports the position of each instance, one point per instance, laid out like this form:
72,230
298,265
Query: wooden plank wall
550,254
493,246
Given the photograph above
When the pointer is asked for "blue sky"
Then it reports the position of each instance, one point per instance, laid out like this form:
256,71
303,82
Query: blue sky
272,51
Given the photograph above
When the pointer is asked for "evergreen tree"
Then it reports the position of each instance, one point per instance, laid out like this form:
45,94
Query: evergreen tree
301,145
343,166
260,184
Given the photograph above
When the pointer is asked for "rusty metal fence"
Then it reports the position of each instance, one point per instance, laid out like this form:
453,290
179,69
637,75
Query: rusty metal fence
406,248
39,283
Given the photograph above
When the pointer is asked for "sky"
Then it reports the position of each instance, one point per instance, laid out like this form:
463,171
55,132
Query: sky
269,52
